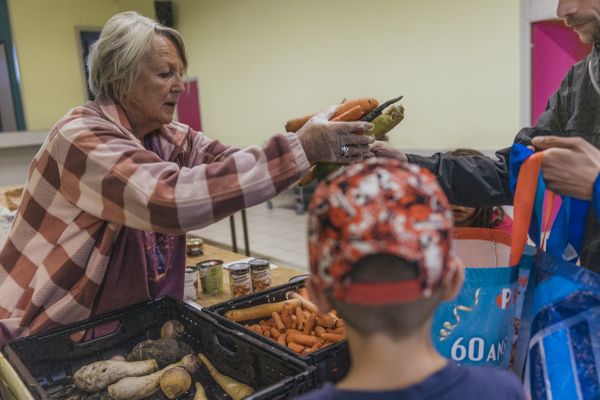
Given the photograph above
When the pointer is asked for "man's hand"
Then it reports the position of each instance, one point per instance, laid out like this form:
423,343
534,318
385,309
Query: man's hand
569,166
381,150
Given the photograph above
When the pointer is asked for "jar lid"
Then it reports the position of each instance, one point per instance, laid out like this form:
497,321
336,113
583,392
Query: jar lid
209,263
194,241
190,270
239,268
259,262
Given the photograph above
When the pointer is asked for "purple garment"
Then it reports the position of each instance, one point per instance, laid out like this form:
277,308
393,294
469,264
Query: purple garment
143,265
453,382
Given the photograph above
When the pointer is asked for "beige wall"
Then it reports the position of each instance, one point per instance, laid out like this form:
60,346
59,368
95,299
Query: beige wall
48,49
260,62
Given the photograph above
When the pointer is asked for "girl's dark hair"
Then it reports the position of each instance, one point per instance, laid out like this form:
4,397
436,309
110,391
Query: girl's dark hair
484,217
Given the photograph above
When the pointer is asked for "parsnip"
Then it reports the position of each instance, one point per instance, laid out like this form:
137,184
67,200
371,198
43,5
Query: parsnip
306,304
200,393
233,388
143,386
387,121
175,382
98,375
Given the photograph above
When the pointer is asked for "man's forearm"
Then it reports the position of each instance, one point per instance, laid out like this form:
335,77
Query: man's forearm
472,181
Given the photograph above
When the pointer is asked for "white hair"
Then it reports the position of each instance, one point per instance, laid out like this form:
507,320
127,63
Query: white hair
115,60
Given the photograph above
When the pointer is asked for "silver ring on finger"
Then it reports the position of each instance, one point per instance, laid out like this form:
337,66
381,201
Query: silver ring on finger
345,151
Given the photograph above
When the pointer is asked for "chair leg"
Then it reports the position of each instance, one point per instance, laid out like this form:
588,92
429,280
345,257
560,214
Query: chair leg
233,235
245,229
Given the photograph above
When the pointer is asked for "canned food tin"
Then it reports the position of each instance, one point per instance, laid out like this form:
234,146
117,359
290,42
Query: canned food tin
260,270
194,247
211,276
190,285
240,281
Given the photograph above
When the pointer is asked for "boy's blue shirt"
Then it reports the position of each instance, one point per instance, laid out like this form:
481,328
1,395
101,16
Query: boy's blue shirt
453,382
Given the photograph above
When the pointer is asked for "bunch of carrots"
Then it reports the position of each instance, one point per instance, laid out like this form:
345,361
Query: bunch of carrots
295,323
384,118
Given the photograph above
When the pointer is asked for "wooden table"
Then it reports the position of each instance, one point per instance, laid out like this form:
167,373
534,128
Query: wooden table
279,275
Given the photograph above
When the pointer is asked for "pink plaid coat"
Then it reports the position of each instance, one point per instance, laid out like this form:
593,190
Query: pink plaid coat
91,177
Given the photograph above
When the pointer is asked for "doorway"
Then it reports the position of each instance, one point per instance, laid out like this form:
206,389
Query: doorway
554,49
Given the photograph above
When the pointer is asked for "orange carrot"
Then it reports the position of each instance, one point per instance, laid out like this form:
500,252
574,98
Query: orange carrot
340,330
298,348
286,315
275,332
316,347
265,328
278,322
319,330
325,320
367,104
256,328
282,339
353,114
292,331
267,333
300,318
310,324
300,338
331,337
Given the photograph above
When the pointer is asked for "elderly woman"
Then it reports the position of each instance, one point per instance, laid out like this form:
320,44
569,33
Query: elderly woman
117,184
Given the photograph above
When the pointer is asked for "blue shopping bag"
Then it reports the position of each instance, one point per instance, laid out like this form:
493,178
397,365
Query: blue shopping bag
561,309
564,342
478,326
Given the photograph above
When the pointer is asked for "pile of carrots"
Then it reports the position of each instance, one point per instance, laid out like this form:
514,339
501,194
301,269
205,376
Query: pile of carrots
295,323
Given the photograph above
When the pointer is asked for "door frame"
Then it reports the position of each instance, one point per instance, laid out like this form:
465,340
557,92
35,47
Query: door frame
531,11
12,64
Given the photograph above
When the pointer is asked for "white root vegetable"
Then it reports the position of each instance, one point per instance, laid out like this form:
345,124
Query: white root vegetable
306,304
175,382
200,392
237,390
96,376
140,387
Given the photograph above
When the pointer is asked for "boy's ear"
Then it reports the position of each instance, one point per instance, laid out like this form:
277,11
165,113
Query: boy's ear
454,283
317,295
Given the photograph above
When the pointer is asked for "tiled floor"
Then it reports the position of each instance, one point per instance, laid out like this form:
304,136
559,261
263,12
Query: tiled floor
277,233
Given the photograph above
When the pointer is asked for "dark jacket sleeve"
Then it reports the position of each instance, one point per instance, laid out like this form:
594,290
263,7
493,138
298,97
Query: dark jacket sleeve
478,181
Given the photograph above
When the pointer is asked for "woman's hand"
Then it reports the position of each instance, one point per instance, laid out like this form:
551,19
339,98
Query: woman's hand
570,165
339,142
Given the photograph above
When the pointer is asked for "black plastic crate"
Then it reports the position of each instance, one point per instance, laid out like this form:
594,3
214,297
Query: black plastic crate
47,361
332,362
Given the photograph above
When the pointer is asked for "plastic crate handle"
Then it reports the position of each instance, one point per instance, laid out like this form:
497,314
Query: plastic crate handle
223,346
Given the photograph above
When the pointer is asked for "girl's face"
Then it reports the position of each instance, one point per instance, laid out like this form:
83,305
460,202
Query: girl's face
463,216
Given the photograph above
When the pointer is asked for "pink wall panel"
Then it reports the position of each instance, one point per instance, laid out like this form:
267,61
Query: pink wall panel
555,49
188,106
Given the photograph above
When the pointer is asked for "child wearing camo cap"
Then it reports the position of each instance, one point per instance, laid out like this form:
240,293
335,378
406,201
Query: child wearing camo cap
381,254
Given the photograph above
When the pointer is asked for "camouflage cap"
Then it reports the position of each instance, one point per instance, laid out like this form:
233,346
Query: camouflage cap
381,206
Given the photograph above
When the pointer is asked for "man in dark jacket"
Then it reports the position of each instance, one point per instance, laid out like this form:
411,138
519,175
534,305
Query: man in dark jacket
573,111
